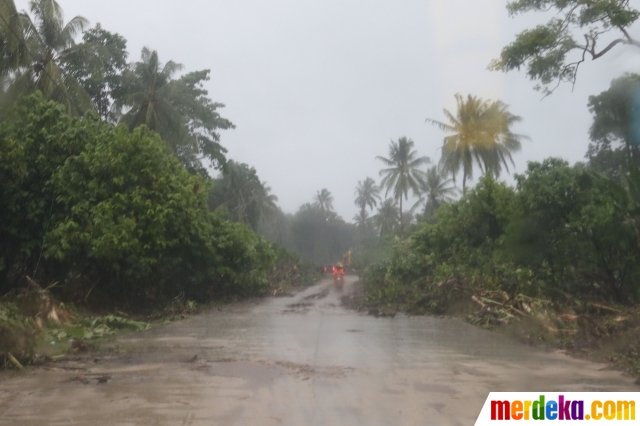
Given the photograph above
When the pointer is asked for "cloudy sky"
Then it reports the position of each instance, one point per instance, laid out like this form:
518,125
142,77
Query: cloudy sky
318,89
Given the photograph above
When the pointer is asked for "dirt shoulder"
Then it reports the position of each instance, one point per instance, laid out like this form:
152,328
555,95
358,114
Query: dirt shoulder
581,329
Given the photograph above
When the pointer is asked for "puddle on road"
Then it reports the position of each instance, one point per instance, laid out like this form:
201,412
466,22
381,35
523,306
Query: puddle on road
250,364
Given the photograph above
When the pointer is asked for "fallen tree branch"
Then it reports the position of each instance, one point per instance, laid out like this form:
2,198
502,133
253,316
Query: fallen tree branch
479,302
14,361
604,308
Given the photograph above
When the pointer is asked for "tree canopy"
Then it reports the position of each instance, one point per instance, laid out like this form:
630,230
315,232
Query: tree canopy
580,30
388,217
178,109
615,132
403,173
242,195
102,79
479,133
49,46
435,190
93,204
367,195
323,200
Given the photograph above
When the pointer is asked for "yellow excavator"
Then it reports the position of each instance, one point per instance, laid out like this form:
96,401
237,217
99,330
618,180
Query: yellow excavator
346,259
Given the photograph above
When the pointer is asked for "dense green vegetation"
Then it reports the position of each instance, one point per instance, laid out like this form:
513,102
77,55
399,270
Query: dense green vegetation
73,212
105,194
562,230
557,256
551,53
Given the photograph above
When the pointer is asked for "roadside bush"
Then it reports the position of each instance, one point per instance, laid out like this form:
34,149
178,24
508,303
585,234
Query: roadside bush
110,213
562,230
291,272
571,230
17,334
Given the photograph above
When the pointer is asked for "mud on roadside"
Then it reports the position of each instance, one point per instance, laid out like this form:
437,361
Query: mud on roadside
601,334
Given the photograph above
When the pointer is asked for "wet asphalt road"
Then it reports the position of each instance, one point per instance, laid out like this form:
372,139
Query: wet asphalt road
300,360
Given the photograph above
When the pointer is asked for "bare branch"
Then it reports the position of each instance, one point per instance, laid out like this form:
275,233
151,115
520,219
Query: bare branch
577,64
608,48
624,31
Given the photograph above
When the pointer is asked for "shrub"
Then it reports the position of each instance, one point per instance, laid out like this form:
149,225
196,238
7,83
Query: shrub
113,213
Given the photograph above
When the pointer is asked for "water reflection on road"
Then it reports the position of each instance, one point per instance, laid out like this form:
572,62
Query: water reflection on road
300,360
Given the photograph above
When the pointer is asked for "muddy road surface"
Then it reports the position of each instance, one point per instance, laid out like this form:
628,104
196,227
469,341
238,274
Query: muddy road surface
300,360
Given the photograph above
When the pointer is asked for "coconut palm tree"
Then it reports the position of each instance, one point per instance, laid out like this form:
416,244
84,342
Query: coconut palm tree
266,201
13,51
388,216
361,219
505,142
240,192
435,190
402,173
479,133
150,97
51,45
367,195
323,200
178,109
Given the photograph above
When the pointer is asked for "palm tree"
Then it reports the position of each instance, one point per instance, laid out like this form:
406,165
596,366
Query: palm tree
13,51
323,200
266,202
388,216
367,195
505,142
361,219
403,173
149,95
50,44
479,133
435,190
241,193
179,110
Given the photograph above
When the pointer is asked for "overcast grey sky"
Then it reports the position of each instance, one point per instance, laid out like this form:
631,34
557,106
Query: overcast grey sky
317,89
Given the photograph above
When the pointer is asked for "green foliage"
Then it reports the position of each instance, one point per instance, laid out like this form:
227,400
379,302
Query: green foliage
49,45
614,111
277,228
402,173
573,231
323,200
388,217
291,272
33,144
435,190
178,109
554,51
94,328
461,245
102,80
615,147
562,230
370,252
242,195
479,132
17,333
39,52
367,195
320,236
13,50
70,192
